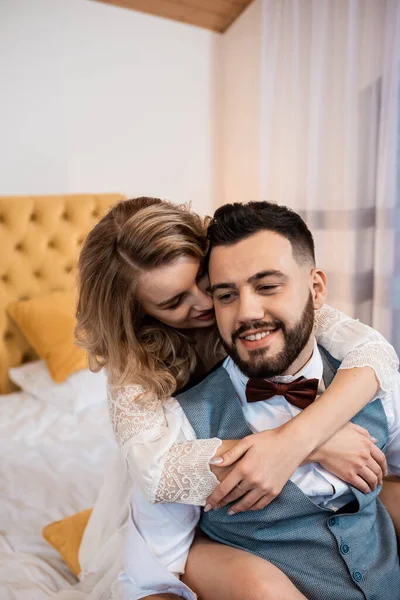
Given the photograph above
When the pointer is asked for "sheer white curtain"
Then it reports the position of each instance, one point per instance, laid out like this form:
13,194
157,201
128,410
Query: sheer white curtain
330,142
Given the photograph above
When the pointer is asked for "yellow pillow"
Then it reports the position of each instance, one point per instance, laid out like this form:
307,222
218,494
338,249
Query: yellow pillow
48,323
66,536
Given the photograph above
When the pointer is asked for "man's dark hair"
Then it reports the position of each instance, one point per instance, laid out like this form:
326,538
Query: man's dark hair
235,222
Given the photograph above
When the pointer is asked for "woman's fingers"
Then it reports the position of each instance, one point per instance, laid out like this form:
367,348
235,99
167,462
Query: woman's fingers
262,503
375,468
232,455
361,484
363,432
223,489
369,476
231,497
380,458
246,502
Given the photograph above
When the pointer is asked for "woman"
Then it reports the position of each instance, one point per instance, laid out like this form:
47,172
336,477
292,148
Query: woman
144,315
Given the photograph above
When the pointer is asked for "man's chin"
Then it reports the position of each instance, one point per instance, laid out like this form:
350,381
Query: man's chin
258,363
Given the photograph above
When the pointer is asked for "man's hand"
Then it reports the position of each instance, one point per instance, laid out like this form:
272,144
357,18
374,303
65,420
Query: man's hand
269,460
351,455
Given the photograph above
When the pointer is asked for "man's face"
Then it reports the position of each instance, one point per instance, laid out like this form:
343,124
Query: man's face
264,303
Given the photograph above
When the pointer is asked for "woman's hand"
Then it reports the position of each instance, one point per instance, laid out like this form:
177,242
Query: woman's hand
256,468
269,460
351,455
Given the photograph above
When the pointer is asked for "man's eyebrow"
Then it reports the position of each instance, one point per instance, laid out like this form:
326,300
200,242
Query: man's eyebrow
220,286
260,275
169,301
269,273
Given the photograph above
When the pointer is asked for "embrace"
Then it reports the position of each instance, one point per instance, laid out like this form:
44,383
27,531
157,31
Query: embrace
285,417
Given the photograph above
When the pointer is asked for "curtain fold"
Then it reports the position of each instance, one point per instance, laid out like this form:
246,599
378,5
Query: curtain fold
330,133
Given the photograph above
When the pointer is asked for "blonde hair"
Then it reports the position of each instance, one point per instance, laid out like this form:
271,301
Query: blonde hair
137,235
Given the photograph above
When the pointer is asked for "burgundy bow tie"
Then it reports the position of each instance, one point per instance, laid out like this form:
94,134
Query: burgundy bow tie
301,392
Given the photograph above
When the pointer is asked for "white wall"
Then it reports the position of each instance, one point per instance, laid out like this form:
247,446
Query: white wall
96,98
239,108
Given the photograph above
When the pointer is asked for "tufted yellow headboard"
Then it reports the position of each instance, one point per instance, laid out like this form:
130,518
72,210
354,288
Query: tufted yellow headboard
40,240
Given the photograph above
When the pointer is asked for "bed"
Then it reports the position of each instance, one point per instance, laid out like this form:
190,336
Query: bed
54,439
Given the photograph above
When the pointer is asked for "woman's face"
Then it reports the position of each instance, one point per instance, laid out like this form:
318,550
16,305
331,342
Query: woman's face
175,295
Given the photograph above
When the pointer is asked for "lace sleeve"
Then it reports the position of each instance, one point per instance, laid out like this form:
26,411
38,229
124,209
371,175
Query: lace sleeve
356,345
134,416
160,448
186,476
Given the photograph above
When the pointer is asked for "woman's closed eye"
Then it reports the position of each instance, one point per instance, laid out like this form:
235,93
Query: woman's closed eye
176,304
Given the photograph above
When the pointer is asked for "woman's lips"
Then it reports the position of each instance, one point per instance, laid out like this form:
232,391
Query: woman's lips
206,316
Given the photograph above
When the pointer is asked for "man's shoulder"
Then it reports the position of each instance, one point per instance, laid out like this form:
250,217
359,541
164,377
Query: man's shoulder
217,376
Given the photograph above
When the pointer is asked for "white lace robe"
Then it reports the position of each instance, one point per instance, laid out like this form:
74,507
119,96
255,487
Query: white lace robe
159,454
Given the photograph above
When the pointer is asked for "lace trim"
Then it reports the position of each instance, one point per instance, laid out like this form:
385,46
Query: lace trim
380,357
327,319
186,476
135,417
370,350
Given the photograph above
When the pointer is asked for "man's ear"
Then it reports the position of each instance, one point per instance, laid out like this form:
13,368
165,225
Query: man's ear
318,287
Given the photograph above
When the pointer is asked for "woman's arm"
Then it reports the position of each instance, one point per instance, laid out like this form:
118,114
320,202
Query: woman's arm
356,345
369,365
368,368
160,447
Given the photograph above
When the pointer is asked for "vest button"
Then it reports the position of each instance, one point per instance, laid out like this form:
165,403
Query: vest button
344,549
357,576
332,521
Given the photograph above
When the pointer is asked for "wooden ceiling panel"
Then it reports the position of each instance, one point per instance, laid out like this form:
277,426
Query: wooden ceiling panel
211,14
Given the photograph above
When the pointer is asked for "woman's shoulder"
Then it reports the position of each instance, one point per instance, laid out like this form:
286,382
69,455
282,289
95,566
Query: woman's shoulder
135,415
134,395
130,389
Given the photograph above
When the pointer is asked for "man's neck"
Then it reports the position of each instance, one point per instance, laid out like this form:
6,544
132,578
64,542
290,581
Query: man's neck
303,358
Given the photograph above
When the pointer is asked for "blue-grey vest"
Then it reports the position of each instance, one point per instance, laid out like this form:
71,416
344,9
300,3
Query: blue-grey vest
328,556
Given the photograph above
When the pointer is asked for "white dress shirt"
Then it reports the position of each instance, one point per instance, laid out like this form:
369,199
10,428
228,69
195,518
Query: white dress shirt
162,533
319,485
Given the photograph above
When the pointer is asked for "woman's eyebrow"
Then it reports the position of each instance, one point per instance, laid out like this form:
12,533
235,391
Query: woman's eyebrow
169,301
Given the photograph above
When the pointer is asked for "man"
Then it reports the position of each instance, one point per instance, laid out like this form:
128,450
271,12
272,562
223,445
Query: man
331,540
265,288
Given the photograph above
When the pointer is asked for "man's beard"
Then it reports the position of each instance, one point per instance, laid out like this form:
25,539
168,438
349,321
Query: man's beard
295,340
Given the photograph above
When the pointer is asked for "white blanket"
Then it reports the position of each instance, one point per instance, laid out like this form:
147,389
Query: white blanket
52,465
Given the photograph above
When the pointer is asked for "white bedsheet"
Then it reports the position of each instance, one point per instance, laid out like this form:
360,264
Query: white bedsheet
51,466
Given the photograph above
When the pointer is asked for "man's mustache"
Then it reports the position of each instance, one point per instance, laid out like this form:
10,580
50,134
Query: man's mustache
253,326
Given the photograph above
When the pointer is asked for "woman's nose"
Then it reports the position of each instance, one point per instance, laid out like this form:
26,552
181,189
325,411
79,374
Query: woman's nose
203,301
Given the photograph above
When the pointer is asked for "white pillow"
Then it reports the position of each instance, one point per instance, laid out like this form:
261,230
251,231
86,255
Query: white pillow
80,391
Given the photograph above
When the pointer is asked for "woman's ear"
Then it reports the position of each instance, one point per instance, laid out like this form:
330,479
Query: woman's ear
318,287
